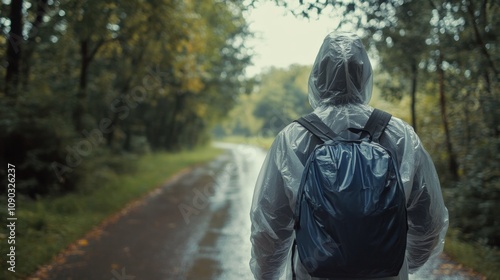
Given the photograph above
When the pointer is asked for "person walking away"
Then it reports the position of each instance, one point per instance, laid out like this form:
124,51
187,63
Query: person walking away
340,87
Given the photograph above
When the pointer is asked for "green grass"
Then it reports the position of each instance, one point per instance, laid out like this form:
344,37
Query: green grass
48,225
480,258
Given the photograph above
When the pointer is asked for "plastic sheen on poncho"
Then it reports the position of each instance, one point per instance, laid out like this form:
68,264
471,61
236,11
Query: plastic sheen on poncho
340,87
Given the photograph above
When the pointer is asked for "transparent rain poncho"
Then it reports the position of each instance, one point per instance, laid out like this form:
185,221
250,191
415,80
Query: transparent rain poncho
340,87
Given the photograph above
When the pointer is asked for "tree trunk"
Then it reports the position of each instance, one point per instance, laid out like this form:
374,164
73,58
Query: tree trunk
127,144
452,162
172,137
87,56
414,71
111,135
82,88
468,133
158,135
14,45
125,82
489,106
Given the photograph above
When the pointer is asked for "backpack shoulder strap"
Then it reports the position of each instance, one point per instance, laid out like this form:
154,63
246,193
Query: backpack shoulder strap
377,123
316,126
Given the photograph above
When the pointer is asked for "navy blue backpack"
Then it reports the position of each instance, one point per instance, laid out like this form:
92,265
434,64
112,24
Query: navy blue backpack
350,214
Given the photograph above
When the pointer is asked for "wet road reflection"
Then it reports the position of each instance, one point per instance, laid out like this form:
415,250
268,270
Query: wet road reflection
226,241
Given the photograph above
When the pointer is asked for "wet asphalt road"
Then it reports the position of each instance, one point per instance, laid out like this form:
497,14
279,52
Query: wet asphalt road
195,227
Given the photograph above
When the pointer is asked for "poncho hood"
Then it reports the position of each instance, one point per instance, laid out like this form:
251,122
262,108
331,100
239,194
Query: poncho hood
341,73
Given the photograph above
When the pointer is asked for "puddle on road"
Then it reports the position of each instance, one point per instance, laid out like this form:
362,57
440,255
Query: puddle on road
207,264
223,251
209,239
234,246
218,221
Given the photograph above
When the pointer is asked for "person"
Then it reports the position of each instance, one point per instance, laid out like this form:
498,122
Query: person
340,87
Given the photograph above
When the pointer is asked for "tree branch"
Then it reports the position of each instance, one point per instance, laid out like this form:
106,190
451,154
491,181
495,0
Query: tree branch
98,45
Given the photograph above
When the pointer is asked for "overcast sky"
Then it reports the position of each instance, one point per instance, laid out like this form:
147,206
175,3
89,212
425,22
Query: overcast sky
282,39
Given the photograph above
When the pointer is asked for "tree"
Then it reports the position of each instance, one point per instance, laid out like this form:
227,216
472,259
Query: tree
280,97
400,43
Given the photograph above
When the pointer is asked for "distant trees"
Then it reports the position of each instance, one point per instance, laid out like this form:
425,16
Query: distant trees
279,98
85,79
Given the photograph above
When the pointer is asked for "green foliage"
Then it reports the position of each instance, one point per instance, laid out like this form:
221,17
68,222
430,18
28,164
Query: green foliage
128,77
35,134
474,203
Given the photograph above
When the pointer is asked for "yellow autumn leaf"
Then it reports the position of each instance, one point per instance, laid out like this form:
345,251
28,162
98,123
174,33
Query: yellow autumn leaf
83,242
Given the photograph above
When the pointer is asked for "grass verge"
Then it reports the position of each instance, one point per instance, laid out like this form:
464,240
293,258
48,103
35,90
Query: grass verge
480,258
48,225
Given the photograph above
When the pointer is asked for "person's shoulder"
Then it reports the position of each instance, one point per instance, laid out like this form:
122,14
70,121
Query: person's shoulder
292,127
289,134
285,132
401,128
401,124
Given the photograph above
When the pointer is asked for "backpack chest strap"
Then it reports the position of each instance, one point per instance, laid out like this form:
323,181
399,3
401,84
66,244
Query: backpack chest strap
375,125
